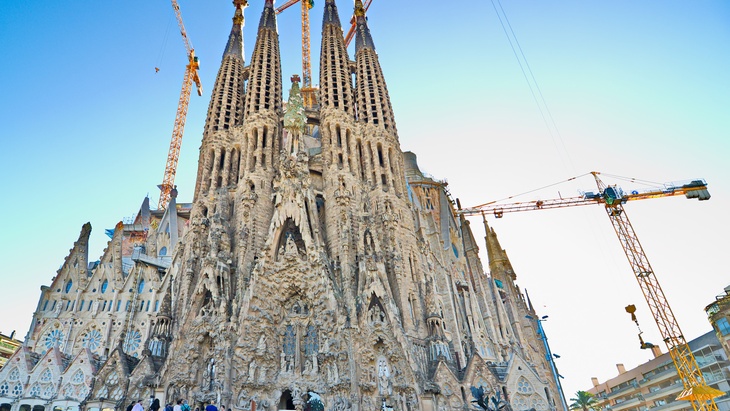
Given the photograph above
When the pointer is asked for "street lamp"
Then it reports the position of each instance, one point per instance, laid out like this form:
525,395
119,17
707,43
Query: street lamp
550,357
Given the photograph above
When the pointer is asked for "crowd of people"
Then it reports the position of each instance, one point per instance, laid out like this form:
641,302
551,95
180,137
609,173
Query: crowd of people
180,405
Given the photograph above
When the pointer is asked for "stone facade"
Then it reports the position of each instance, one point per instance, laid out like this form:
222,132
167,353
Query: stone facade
316,262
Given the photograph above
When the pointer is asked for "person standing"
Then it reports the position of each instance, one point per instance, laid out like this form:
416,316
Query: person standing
178,406
211,406
138,406
185,406
155,405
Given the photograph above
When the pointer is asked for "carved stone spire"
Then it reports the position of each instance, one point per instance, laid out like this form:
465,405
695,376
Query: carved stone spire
226,104
335,78
265,90
373,102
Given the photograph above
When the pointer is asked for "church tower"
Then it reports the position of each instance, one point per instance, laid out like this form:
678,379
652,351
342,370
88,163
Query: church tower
317,267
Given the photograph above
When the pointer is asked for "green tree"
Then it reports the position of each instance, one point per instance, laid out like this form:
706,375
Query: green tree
583,401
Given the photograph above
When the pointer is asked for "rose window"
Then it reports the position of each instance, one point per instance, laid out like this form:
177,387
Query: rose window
92,340
132,341
53,338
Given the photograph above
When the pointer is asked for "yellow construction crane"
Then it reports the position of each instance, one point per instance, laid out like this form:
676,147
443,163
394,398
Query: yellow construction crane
191,75
309,93
613,198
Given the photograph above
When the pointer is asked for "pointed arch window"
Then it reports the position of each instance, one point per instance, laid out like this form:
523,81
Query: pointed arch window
49,392
311,343
46,376
69,284
17,390
14,374
290,340
140,289
78,377
104,286
4,388
35,391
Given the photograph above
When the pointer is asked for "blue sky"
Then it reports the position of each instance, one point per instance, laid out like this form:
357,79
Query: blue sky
636,89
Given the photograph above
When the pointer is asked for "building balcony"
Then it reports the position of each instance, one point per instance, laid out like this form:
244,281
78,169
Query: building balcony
707,361
653,379
625,405
675,388
629,387
673,406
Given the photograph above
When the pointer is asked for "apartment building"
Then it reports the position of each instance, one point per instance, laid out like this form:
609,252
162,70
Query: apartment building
655,384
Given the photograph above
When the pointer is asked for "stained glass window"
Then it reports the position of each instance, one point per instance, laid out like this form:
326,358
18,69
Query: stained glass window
92,340
117,393
132,341
78,377
69,391
49,391
4,388
311,344
14,374
83,392
47,376
53,338
112,379
523,386
35,391
290,340
17,390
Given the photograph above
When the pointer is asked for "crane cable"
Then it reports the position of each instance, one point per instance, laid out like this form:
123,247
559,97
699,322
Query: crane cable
530,85
531,191
163,46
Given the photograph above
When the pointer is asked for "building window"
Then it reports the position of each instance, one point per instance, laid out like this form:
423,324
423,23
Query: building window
140,289
104,286
69,284
723,326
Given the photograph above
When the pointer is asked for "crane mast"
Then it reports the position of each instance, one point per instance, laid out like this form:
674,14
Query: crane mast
191,76
309,93
612,197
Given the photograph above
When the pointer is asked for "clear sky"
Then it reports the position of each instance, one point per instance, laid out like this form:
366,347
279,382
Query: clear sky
636,89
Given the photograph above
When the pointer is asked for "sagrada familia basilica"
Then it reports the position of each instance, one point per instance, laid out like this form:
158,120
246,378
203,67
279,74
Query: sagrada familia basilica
317,268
